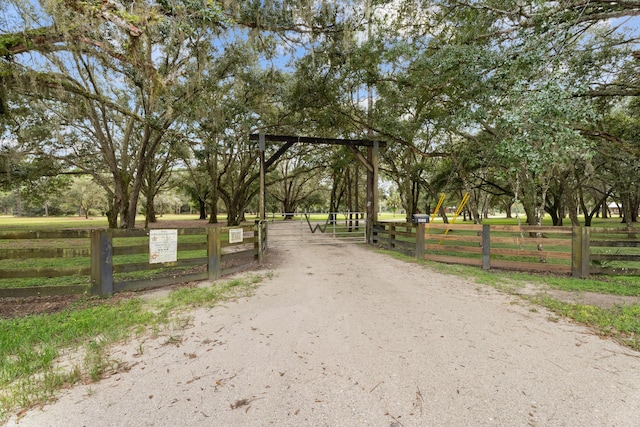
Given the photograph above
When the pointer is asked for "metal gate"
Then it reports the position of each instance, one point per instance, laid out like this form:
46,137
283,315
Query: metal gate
289,229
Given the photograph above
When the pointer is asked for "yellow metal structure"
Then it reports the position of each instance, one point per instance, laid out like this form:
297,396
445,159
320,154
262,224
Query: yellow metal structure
435,212
461,206
463,202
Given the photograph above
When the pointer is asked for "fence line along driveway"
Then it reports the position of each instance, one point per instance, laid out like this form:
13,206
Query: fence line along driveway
343,336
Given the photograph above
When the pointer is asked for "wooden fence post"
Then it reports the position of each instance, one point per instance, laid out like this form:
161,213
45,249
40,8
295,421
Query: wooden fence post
580,258
213,252
391,235
576,252
486,247
259,227
586,254
420,230
101,262
377,229
266,235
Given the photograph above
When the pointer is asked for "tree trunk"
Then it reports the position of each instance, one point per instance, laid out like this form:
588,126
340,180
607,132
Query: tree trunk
214,194
472,205
337,193
554,208
150,216
236,203
349,188
507,210
357,188
213,210
234,216
443,214
540,211
625,211
202,208
635,205
555,219
130,216
117,207
529,211
289,208
112,213
413,193
573,211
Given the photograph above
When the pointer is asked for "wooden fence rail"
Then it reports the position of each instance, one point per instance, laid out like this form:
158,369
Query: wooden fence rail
614,251
102,262
579,251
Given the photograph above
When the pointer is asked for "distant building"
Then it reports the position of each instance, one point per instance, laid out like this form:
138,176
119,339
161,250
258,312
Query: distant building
614,209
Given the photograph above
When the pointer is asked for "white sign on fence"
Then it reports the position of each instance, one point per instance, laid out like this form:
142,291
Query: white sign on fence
163,246
235,235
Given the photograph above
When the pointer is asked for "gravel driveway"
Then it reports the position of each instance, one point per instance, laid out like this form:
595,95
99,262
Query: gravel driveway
343,336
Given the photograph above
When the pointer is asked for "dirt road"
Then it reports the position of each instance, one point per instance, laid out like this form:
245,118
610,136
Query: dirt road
343,336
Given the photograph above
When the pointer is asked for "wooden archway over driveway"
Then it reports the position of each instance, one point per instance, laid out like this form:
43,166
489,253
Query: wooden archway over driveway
370,162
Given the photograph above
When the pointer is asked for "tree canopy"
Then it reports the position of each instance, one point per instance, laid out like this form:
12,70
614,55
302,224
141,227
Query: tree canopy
524,101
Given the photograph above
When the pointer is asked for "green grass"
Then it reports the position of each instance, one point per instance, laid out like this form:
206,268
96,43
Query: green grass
156,273
46,281
41,263
144,258
611,285
621,323
207,296
616,285
36,223
101,222
53,222
497,220
31,347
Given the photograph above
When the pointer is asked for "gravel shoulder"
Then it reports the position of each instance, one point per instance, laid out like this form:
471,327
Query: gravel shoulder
344,336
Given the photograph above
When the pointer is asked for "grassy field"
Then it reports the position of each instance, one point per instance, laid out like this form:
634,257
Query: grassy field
502,220
36,223
14,222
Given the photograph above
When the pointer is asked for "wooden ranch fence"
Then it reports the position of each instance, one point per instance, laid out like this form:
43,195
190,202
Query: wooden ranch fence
102,262
579,251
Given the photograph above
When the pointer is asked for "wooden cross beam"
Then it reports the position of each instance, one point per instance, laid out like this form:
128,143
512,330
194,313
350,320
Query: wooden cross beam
289,140
316,140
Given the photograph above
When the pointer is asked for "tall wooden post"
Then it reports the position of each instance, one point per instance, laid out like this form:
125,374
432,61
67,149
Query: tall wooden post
213,252
101,262
580,258
486,247
263,172
373,157
420,240
259,230
374,162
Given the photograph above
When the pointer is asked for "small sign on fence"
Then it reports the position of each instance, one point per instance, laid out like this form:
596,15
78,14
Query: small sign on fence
163,246
235,235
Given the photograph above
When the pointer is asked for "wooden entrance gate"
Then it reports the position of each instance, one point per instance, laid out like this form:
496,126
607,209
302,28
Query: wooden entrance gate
370,162
292,229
